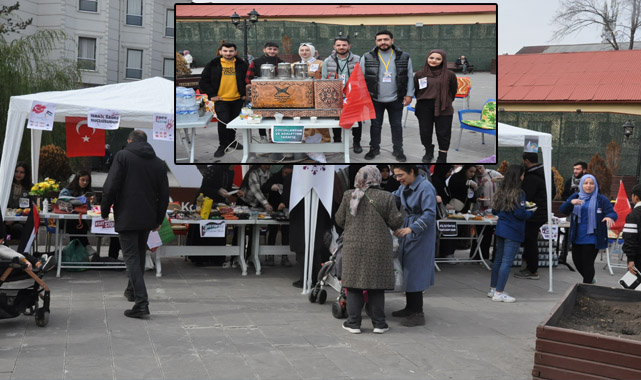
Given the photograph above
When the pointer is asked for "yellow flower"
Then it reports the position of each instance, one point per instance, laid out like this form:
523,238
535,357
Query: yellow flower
35,187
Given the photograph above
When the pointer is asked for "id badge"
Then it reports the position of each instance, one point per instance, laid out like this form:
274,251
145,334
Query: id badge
387,77
313,67
422,83
24,203
470,193
342,77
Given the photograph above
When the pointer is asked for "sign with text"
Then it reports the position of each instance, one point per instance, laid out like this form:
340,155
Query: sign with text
288,133
212,228
41,116
103,119
547,231
103,226
164,126
447,227
531,144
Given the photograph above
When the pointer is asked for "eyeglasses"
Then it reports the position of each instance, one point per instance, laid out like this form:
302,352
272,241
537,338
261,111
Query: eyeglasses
305,43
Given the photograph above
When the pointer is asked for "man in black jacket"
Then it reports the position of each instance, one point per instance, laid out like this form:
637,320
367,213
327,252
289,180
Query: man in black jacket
631,236
223,80
138,189
572,184
535,191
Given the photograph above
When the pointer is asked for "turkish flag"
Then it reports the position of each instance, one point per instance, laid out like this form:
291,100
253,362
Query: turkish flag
358,104
622,208
83,141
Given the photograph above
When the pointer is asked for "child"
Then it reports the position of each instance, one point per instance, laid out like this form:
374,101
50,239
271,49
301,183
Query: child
631,236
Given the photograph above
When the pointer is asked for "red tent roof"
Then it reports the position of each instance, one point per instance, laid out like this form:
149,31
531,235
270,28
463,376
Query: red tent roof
601,76
224,11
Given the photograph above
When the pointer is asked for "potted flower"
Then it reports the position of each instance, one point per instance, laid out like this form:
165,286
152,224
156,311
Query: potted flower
45,189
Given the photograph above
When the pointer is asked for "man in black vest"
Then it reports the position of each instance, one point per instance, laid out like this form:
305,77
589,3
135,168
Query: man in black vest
270,56
223,80
388,73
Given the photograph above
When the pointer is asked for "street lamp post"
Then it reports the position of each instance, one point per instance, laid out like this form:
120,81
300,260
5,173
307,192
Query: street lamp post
253,18
628,130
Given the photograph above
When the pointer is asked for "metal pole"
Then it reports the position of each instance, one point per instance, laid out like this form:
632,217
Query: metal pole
245,36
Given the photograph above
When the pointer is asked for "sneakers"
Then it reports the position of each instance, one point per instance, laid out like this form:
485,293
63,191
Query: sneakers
44,263
284,261
381,330
414,319
373,152
526,274
220,151
492,292
401,313
353,330
269,260
90,249
503,297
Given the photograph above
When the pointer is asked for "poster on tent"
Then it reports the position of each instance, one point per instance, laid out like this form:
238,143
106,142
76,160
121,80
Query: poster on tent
164,126
41,116
531,144
103,119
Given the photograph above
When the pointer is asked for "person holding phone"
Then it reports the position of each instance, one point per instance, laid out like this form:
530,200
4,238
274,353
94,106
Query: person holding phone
631,236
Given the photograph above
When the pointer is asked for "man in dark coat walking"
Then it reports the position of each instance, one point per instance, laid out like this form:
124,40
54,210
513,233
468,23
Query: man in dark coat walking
138,189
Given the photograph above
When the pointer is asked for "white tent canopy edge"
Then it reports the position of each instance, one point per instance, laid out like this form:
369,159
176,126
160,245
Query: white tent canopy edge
511,136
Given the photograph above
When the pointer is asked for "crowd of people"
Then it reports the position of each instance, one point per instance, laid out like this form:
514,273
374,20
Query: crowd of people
391,83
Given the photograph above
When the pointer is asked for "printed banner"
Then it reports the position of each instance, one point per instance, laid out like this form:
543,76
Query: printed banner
531,144
212,228
288,133
546,231
41,116
103,119
164,126
447,227
103,226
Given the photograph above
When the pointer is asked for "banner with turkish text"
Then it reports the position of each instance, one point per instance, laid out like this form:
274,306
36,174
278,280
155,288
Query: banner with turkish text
83,141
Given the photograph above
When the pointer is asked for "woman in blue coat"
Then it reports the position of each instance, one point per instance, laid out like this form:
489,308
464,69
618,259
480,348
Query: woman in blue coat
417,239
591,215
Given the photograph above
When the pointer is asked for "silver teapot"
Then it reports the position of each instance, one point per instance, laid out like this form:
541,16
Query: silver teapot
267,71
300,70
284,70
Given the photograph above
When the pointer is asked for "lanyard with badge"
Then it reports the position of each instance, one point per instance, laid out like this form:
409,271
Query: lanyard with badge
387,76
341,70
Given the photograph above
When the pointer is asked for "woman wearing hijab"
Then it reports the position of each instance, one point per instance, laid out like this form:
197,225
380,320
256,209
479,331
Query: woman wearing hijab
306,52
592,214
435,88
367,213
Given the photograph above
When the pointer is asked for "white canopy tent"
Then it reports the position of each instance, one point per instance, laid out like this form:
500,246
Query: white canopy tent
137,102
511,136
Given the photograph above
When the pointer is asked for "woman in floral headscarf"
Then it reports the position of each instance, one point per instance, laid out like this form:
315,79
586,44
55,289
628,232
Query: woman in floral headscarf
592,214
367,213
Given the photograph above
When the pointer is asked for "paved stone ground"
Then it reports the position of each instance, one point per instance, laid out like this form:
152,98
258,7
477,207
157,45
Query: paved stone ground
483,88
212,323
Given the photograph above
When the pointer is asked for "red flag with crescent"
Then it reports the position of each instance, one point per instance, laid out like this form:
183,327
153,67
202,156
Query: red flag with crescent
83,141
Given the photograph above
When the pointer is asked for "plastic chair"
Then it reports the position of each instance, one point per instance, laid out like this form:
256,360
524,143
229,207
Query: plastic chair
486,125
409,108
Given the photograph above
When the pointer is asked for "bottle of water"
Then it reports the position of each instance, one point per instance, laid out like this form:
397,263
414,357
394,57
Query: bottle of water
189,97
191,113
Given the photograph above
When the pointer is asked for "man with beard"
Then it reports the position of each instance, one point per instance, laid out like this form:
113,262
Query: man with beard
223,80
339,65
270,56
388,74
572,184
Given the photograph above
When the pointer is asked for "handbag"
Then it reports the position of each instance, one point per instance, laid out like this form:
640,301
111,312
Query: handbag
456,204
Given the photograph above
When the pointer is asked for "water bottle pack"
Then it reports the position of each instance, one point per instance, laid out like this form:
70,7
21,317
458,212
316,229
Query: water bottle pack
186,108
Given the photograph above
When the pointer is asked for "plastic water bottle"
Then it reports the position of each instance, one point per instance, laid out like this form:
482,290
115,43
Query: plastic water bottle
199,201
45,205
191,113
189,97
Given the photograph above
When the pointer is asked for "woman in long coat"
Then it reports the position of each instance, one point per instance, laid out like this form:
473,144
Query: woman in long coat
417,240
367,213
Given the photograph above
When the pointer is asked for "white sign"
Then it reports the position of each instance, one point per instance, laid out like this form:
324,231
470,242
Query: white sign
103,119
154,240
164,126
41,116
546,231
212,228
308,177
103,226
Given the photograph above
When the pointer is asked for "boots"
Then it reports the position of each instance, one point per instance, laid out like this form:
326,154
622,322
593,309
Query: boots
429,154
442,157
414,319
137,312
357,146
401,313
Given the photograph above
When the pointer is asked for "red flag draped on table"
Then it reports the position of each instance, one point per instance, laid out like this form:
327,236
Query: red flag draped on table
622,208
358,104
83,141
29,231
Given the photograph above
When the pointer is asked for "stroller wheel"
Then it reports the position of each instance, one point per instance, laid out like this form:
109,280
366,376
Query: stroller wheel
42,317
322,296
313,295
337,310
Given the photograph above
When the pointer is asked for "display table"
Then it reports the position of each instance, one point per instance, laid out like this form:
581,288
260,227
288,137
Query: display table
258,249
250,147
189,130
480,224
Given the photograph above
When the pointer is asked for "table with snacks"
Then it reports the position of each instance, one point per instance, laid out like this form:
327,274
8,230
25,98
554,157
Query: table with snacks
247,125
478,221
189,130
263,219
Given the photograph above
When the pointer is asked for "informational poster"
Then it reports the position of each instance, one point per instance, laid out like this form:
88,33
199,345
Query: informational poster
531,144
103,119
288,133
212,228
41,116
447,227
547,231
154,240
103,226
164,126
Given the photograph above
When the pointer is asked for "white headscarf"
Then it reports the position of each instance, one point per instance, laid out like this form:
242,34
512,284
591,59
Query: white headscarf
312,50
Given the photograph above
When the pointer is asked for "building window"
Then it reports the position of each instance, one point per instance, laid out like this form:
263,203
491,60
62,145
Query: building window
134,64
168,69
134,12
87,53
169,28
89,5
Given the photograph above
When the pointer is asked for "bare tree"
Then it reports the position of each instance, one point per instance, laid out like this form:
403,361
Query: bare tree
576,15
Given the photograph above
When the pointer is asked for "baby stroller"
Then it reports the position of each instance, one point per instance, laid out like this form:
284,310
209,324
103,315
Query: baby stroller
329,275
14,302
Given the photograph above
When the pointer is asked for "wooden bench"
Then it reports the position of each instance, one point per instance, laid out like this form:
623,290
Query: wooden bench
452,66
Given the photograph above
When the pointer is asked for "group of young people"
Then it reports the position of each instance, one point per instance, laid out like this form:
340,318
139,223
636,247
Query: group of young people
391,83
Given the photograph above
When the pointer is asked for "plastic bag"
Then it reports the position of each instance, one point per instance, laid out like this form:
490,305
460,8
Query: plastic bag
398,276
166,232
74,252
149,261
